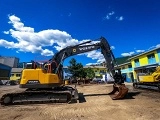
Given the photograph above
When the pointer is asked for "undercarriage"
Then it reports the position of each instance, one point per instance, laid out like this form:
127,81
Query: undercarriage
63,94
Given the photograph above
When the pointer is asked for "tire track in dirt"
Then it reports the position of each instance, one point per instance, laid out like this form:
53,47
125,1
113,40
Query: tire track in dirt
98,106
94,107
79,110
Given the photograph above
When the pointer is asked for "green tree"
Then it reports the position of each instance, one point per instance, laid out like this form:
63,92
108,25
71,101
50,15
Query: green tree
89,73
76,69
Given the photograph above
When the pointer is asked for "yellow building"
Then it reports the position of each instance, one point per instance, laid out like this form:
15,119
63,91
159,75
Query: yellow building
145,62
98,70
16,73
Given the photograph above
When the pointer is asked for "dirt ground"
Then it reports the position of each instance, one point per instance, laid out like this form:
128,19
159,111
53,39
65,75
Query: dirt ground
94,104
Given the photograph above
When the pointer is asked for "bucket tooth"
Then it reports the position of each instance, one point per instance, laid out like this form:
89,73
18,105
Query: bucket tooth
119,91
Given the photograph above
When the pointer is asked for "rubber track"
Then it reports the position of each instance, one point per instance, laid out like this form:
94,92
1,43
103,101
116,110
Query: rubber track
22,95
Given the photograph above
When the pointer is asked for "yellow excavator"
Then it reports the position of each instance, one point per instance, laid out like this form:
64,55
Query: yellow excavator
44,82
149,79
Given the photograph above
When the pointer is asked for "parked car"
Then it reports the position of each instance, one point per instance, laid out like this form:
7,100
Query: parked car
11,82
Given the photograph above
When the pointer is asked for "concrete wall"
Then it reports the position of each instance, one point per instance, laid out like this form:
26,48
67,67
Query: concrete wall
4,72
10,61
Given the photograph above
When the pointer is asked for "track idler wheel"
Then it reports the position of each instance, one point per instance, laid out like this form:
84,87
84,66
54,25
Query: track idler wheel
135,85
119,91
6,100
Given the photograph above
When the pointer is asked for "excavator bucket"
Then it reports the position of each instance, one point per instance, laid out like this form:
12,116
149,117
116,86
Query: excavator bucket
119,91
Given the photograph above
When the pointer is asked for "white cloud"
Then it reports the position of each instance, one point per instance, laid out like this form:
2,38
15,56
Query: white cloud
158,45
18,25
120,18
47,52
108,16
69,14
152,47
27,40
139,51
96,55
127,54
6,32
111,13
91,63
112,47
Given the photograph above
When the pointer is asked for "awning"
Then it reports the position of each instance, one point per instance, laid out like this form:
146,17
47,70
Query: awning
146,66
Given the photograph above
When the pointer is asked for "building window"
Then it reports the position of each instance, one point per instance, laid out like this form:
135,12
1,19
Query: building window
18,75
102,71
12,75
129,66
151,59
123,67
136,62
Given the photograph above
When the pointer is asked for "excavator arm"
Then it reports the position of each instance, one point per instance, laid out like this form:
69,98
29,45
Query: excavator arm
59,57
109,59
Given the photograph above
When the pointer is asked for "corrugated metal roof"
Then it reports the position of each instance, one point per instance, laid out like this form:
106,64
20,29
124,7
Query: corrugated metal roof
146,66
127,63
17,70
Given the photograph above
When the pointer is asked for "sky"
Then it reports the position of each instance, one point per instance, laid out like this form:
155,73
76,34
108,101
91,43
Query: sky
37,29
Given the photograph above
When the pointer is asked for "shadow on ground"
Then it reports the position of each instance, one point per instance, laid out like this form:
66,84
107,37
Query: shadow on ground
130,95
81,98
